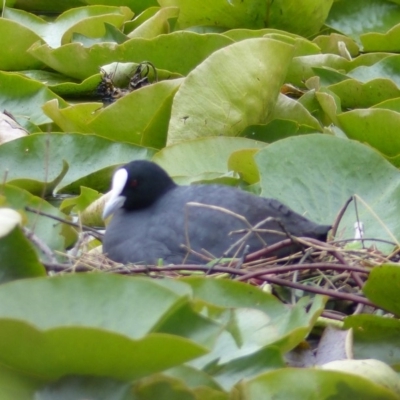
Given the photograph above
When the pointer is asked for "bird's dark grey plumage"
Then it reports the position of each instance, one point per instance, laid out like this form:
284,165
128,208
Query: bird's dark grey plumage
152,219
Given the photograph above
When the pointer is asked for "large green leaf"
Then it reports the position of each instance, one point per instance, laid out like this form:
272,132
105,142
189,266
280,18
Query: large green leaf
23,98
96,334
85,20
244,14
23,158
356,17
142,116
376,337
382,288
389,41
221,97
305,18
377,127
255,341
355,94
204,158
72,118
13,266
156,25
15,57
164,51
302,68
386,68
56,236
300,384
321,172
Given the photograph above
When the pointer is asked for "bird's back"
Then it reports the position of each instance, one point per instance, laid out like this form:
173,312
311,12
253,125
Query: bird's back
171,226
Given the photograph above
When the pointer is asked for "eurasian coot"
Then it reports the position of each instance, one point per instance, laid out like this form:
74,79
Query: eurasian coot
153,220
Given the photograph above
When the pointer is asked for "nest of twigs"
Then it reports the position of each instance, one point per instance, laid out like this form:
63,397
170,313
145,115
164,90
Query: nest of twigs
321,268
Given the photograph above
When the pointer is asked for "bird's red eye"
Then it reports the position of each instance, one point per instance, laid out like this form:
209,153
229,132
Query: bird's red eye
134,183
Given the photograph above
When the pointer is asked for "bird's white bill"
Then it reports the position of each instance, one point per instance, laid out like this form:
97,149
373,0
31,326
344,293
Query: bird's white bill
115,200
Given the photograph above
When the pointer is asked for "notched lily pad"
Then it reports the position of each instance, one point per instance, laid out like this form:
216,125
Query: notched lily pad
223,101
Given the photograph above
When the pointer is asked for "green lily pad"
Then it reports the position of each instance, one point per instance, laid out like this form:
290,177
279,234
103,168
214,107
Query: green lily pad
298,384
377,127
156,25
261,337
45,188
164,51
78,204
112,34
239,34
23,98
356,17
245,14
201,158
375,41
18,257
380,289
376,337
302,68
57,236
386,68
331,171
329,76
223,101
142,116
15,57
302,47
95,336
242,162
355,94
73,118
85,20
23,158
331,44
140,19
305,20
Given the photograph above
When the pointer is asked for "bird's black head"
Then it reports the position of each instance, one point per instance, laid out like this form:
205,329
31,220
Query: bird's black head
137,185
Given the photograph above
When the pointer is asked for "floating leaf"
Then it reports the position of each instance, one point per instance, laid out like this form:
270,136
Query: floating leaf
164,51
13,242
85,20
216,100
356,17
24,159
355,94
375,41
156,24
15,57
319,175
298,384
202,158
151,109
23,98
305,20
94,336
377,127
56,236
374,336
245,14
381,290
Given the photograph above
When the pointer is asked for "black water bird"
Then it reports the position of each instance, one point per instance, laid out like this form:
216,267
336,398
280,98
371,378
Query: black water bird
156,219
